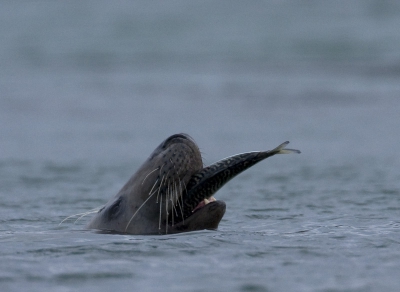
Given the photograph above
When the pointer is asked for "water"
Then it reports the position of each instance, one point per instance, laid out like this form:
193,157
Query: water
89,89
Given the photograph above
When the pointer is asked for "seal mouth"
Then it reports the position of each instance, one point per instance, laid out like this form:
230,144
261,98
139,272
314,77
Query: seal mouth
203,203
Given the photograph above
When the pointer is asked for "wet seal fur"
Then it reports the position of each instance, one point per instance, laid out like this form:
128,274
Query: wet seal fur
172,192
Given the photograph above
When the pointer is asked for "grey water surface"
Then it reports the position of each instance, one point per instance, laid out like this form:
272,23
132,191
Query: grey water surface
89,88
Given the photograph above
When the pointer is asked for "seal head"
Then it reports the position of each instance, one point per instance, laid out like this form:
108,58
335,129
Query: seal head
172,191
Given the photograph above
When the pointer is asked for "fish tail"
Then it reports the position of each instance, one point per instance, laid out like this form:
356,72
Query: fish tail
282,150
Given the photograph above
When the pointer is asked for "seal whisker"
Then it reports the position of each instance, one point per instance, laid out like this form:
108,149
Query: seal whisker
162,179
184,188
85,214
177,175
159,220
159,173
178,202
166,211
153,186
159,188
95,210
150,195
180,191
172,203
130,220
155,191
177,205
149,174
176,194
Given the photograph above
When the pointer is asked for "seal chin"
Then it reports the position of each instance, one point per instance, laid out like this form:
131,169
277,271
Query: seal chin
206,217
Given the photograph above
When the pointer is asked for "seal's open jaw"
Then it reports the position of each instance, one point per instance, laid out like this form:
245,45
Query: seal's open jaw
206,217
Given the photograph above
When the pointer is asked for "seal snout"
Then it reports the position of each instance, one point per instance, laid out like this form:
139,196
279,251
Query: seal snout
176,138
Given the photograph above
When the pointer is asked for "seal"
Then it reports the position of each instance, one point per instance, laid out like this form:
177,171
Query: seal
173,192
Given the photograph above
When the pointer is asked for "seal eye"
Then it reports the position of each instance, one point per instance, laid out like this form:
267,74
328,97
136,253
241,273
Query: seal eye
114,210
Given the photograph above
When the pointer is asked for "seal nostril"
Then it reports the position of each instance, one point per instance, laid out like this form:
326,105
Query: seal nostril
181,136
170,139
